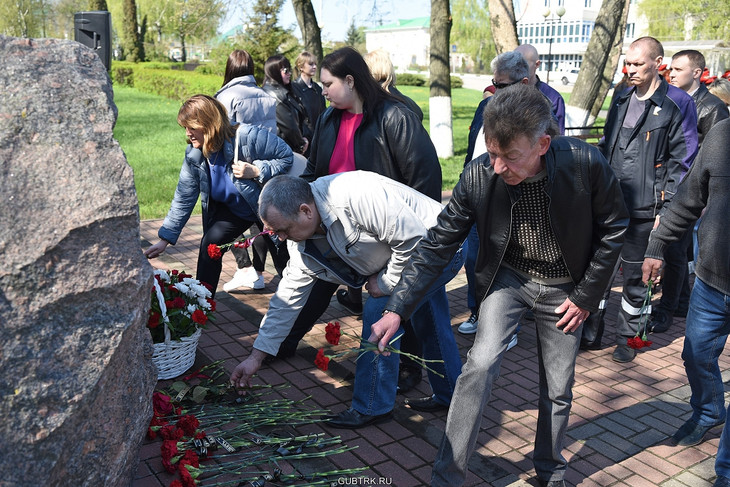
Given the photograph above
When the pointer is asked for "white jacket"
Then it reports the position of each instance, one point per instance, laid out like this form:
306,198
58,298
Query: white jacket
373,225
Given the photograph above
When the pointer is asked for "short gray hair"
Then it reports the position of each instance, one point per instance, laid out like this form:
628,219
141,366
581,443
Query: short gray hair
520,110
285,193
512,64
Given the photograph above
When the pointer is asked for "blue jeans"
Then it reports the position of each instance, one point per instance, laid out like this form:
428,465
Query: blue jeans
510,297
708,325
376,376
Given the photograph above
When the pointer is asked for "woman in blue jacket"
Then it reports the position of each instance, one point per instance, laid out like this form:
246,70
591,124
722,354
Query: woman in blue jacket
228,186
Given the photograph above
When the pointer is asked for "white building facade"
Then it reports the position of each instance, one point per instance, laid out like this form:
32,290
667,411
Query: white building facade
562,40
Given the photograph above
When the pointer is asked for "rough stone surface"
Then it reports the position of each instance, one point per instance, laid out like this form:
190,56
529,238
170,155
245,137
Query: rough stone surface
75,354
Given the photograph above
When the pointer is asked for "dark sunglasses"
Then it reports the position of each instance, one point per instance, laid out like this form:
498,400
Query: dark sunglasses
286,71
499,86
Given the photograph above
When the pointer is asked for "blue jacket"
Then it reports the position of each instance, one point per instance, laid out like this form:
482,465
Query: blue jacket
265,150
659,151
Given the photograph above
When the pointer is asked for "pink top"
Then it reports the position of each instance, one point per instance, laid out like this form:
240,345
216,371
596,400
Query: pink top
343,156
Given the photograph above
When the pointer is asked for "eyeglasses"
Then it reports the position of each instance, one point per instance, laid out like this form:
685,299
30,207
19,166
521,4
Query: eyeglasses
499,86
286,71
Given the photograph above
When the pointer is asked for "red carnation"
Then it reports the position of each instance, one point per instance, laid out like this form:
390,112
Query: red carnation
190,458
211,302
200,435
179,302
332,333
637,343
168,466
169,449
161,402
154,319
184,276
214,252
188,424
199,317
171,432
187,479
321,361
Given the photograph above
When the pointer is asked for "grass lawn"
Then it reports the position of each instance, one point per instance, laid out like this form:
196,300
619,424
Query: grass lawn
154,143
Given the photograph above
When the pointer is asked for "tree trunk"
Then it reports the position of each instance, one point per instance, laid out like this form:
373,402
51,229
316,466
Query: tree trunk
311,33
98,5
440,94
602,55
503,24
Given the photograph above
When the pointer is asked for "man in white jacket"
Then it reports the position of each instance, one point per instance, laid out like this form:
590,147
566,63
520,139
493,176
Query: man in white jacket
354,228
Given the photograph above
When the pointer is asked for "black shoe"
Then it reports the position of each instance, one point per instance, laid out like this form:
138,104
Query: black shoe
352,420
408,378
343,297
691,433
681,311
586,345
552,483
624,353
426,404
661,321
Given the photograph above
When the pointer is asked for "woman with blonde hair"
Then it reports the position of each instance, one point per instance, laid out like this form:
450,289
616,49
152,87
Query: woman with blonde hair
721,89
228,186
307,89
382,69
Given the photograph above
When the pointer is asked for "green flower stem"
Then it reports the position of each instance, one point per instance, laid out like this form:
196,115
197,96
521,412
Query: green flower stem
368,346
643,313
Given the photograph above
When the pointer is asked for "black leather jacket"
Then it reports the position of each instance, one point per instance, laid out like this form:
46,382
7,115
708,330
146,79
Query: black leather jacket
587,214
291,117
710,110
391,141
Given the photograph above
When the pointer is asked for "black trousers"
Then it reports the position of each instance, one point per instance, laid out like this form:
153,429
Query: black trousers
224,228
262,245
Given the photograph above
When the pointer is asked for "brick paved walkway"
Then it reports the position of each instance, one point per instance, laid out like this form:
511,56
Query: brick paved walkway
621,421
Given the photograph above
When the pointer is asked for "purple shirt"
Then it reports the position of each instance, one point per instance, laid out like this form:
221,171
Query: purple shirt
556,100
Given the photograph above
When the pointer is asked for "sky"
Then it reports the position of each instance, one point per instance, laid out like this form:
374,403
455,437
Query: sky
335,16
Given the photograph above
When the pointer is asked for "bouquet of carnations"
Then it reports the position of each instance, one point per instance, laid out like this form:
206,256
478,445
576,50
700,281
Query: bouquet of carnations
180,304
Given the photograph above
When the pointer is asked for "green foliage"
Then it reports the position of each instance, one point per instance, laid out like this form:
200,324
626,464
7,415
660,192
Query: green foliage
471,32
670,19
408,79
264,37
355,37
130,33
456,82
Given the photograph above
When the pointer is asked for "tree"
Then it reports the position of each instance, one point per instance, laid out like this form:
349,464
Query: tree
440,94
193,19
98,5
311,33
264,37
602,55
130,32
355,37
503,25
471,32
679,20
24,18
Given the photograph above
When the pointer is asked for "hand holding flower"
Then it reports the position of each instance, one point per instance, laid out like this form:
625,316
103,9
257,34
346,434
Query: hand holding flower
245,170
384,330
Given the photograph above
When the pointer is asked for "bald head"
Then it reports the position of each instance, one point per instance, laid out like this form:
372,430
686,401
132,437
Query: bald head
529,53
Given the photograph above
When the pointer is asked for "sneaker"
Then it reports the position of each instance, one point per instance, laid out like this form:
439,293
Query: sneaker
513,342
258,283
469,327
244,277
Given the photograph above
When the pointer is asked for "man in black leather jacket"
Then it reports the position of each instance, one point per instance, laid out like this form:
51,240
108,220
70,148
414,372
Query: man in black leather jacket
551,220
687,68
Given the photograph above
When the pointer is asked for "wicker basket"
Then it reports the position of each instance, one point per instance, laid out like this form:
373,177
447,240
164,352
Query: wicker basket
174,357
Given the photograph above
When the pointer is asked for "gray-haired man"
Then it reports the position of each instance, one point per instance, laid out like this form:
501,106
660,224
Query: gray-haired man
551,219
